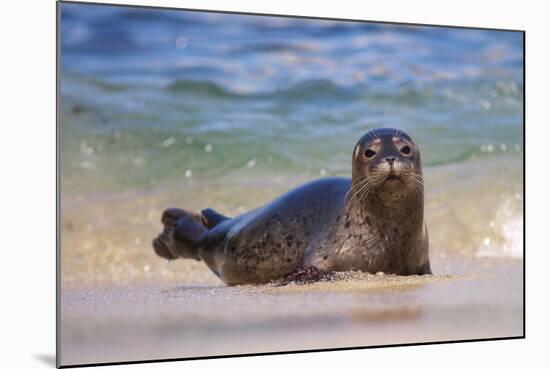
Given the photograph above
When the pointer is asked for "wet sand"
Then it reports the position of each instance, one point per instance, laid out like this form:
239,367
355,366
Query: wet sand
176,320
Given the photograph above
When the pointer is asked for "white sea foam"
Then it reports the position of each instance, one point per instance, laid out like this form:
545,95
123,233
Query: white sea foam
508,227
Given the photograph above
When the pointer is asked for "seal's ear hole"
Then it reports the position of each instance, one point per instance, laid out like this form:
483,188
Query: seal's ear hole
406,150
369,153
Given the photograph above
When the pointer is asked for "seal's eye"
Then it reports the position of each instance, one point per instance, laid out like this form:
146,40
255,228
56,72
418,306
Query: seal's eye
369,153
406,150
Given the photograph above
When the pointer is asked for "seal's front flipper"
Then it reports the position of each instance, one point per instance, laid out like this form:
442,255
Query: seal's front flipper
305,275
212,218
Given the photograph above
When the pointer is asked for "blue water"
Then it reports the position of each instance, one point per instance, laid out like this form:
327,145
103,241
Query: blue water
154,95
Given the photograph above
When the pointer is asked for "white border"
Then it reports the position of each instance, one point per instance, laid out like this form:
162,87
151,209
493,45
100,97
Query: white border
28,181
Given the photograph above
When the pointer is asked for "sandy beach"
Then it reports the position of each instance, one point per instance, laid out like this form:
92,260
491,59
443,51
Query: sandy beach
177,320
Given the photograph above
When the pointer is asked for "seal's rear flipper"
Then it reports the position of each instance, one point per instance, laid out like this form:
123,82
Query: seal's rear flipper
182,235
212,218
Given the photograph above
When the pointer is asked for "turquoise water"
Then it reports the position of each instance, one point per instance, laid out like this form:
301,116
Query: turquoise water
149,96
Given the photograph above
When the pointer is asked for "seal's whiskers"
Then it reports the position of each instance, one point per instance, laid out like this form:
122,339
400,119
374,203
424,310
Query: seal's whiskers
415,182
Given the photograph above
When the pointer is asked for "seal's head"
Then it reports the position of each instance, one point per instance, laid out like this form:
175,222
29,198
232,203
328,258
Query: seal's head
386,160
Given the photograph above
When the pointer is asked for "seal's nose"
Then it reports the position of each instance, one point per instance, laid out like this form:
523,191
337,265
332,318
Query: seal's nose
390,159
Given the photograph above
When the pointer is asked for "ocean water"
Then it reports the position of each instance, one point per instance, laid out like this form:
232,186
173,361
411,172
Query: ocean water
163,101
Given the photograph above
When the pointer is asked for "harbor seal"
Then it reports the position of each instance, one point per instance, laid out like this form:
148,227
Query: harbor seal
373,222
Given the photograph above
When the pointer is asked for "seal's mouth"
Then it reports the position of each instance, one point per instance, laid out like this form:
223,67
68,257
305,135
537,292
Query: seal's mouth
393,177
